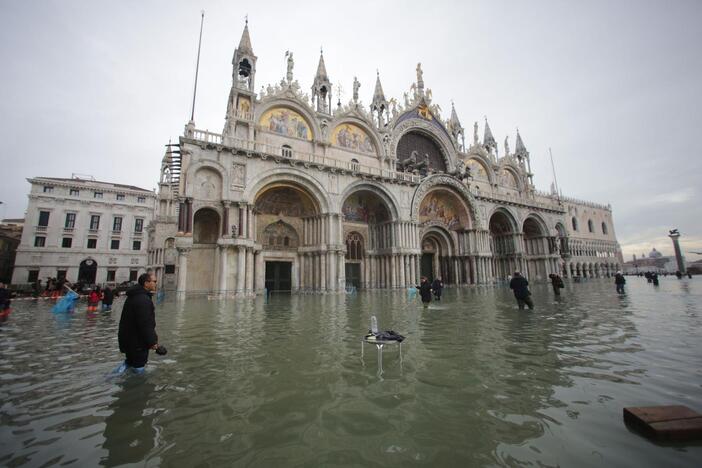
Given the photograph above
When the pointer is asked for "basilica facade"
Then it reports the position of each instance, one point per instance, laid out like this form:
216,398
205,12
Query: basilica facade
303,194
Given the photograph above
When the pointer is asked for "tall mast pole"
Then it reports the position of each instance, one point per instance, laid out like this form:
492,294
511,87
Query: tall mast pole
197,65
555,180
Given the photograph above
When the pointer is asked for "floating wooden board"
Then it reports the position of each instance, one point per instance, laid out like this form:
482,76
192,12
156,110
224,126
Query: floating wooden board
666,423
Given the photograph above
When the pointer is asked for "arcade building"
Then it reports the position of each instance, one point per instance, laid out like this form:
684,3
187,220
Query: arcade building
300,193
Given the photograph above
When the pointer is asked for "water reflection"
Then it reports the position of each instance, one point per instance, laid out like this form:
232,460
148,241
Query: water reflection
130,431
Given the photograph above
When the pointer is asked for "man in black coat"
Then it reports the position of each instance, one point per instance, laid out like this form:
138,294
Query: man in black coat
425,290
556,283
620,281
519,285
137,326
108,296
437,286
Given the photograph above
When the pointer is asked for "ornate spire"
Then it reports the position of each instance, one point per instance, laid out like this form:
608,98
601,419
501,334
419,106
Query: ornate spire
455,128
454,123
379,107
488,139
519,148
378,95
321,68
245,42
321,88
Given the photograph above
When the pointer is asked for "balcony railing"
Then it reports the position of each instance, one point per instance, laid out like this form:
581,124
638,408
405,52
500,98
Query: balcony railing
309,158
300,156
41,228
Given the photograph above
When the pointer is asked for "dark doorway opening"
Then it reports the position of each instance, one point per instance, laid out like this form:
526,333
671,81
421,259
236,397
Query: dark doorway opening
87,271
428,266
353,275
279,276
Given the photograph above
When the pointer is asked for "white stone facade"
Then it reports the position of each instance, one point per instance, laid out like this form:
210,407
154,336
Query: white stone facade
297,197
84,229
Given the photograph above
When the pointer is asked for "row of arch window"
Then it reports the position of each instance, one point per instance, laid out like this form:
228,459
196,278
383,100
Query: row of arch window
590,226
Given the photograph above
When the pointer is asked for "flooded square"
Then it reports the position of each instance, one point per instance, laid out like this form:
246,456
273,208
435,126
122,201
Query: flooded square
282,382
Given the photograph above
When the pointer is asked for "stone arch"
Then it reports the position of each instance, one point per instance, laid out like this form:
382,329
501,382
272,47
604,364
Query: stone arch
206,226
355,246
562,236
200,170
427,129
444,238
292,176
390,201
443,180
514,173
539,222
484,165
503,231
294,105
438,248
285,199
375,140
280,235
535,237
444,207
509,216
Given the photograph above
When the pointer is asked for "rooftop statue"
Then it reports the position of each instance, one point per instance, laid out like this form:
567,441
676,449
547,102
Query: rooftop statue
291,64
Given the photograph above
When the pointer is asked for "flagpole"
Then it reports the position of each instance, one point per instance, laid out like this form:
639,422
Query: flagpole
555,180
197,65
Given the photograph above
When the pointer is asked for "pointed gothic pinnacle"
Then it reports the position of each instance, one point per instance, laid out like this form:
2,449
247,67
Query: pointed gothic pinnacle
488,139
519,145
321,68
245,42
378,95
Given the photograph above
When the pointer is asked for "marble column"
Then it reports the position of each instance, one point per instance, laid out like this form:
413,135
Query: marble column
182,269
223,271
323,272
241,270
249,270
341,270
259,273
331,276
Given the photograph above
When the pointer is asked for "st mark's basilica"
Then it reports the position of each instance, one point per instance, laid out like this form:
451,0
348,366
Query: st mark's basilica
301,193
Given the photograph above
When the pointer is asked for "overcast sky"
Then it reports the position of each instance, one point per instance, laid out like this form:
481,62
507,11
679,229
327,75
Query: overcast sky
613,87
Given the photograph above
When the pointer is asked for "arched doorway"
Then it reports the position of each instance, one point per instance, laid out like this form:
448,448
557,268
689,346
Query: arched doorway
502,244
437,250
292,234
536,249
87,271
206,228
445,216
281,237
369,237
354,259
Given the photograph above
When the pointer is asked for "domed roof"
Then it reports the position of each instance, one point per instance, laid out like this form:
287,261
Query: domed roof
654,254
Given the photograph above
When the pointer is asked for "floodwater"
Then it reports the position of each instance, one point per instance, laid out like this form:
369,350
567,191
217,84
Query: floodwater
282,383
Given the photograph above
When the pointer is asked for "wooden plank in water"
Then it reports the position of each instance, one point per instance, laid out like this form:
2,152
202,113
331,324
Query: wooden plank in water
672,423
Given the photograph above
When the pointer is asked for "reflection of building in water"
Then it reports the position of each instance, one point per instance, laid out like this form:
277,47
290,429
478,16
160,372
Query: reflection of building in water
291,184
